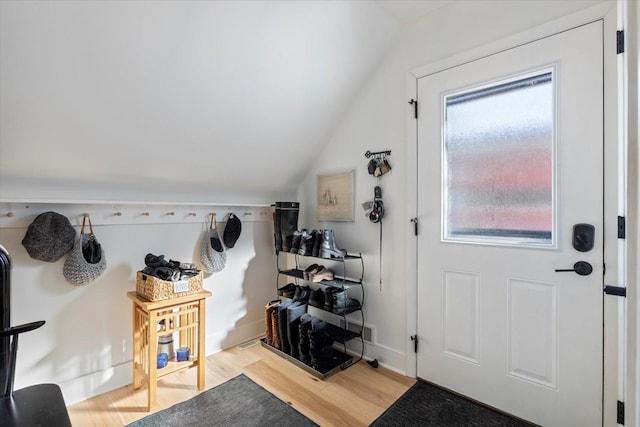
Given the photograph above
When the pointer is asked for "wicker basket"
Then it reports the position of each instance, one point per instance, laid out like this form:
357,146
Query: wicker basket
154,289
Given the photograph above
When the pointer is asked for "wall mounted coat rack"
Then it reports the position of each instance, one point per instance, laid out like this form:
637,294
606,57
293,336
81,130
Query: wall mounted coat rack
378,165
17,214
368,154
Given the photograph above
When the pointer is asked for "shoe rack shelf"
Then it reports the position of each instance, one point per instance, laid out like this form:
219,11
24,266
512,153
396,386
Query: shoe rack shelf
337,282
341,327
342,359
342,335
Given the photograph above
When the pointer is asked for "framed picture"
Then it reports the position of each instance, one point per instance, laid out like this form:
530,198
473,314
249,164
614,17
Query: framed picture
335,197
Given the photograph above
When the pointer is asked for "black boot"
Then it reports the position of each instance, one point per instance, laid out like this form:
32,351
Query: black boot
288,223
328,298
319,337
303,338
282,326
295,242
276,226
317,241
294,311
320,346
302,293
306,243
342,304
316,298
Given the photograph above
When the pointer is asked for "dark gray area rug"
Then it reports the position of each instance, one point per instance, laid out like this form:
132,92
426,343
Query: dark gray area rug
426,405
238,402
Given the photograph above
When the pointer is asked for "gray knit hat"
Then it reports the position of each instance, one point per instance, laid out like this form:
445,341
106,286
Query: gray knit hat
49,237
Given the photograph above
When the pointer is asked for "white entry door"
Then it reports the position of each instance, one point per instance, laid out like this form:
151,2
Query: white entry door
510,159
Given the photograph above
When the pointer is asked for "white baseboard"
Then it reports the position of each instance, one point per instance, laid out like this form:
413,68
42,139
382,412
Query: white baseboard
90,385
226,339
103,381
388,358
96,383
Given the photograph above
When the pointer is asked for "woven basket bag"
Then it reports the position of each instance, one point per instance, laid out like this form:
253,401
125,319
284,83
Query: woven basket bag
212,260
77,270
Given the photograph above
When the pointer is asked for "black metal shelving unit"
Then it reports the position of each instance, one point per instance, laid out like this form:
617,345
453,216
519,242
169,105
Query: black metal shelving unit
339,324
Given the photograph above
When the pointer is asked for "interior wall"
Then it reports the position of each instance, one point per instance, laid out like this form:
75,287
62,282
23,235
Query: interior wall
86,344
377,121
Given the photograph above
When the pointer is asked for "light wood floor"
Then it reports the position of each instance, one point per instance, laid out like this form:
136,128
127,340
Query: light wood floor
353,397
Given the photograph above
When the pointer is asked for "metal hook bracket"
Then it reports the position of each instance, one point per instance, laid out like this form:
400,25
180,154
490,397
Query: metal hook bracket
368,154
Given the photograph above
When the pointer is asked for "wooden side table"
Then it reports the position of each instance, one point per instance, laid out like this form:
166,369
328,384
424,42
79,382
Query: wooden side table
184,315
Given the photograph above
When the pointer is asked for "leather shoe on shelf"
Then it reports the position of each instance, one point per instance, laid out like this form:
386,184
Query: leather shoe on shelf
302,293
287,291
322,274
312,269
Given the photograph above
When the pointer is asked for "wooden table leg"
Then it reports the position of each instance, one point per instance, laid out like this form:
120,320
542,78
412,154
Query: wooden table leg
201,349
153,358
137,357
184,320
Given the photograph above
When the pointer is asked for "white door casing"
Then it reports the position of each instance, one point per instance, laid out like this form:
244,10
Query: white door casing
496,322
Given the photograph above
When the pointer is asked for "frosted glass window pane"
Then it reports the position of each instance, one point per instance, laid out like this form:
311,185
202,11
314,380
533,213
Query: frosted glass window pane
498,163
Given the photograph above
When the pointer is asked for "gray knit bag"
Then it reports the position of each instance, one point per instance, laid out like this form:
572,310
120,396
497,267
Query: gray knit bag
213,255
77,269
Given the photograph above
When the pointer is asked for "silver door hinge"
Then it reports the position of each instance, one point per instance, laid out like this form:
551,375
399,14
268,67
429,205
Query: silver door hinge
620,42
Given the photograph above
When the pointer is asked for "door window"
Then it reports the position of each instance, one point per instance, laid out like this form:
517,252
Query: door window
498,165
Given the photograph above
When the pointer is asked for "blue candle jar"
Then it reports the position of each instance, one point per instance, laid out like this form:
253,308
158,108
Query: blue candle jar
163,359
182,354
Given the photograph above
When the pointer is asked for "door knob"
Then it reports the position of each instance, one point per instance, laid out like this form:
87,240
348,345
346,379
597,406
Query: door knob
583,268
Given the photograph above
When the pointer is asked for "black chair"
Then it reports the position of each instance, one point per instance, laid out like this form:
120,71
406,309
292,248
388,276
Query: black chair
36,405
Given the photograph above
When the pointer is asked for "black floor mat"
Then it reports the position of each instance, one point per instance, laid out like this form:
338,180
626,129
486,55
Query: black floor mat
427,405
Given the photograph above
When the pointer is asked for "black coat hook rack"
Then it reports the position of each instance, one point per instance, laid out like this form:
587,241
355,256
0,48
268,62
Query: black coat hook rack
379,165
377,153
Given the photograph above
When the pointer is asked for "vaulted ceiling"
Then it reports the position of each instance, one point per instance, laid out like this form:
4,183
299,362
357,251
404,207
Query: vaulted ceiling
191,99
